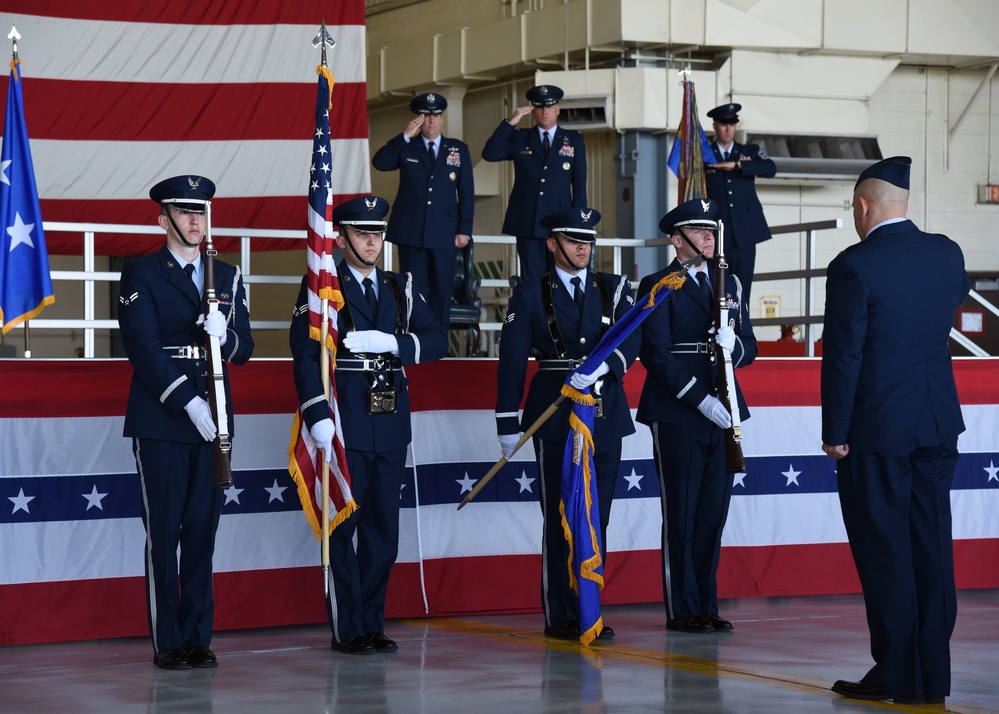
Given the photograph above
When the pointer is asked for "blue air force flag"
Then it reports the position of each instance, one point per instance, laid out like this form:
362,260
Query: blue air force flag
25,282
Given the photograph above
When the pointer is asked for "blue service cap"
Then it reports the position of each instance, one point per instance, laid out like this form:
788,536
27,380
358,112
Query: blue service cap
189,193
545,95
363,213
578,224
894,170
698,213
428,103
726,113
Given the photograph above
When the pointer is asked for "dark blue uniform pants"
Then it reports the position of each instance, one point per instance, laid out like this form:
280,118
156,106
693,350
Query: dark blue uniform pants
356,604
559,601
535,258
433,276
896,507
695,490
180,506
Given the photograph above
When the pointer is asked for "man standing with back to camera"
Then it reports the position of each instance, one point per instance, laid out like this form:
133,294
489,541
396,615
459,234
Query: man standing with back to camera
163,329
890,419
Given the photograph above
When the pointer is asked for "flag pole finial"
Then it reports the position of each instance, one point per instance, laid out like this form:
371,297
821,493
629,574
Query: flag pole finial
14,36
325,40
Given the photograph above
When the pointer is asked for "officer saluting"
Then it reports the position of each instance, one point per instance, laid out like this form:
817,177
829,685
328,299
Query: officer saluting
680,406
383,326
432,213
549,165
163,327
562,316
731,183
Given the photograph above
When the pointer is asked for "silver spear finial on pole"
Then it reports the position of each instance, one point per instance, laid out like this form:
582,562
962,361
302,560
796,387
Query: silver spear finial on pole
14,36
324,40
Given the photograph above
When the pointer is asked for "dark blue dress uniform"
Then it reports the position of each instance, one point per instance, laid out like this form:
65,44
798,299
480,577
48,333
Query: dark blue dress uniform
888,393
541,185
735,193
689,449
435,202
159,306
526,329
375,443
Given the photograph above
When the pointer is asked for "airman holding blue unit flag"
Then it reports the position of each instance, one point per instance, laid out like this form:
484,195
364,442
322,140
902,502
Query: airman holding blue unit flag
680,406
562,317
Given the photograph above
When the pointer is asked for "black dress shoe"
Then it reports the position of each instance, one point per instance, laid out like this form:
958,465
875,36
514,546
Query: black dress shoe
202,657
381,643
606,634
568,630
860,690
718,623
359,645
172,659
690,623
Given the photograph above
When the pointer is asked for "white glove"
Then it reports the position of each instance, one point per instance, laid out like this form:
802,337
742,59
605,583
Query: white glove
579,381
371,341
508,442
215,326
726,338
201,416
322,432
715,411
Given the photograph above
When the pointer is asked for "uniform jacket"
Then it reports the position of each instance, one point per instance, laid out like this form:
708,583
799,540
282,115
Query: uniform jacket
887,379
739,207
540,186
526,326
676,383
159,306
421,339
433,203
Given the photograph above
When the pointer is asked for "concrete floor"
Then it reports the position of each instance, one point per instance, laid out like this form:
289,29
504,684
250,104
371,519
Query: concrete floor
782,657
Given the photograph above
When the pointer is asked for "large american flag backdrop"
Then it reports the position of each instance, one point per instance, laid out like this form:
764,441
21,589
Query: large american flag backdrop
120,94
72,538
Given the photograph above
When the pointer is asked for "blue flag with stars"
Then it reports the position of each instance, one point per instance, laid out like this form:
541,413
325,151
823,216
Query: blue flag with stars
25,282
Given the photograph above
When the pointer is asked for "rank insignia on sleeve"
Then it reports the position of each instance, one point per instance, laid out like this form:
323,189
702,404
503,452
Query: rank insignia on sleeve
128,300
509,318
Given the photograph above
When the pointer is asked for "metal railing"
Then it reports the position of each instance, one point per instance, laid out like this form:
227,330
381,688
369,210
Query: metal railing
89,277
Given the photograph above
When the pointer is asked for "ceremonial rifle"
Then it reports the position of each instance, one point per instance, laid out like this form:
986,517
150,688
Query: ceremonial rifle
216,377
735,461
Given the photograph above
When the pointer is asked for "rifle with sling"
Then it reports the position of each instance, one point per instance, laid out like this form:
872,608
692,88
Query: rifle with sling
735,461
216,377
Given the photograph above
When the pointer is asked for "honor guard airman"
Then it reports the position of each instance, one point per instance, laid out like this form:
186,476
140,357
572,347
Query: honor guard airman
680,404
161,314
731,182
384,325
560,317
432,213
549,165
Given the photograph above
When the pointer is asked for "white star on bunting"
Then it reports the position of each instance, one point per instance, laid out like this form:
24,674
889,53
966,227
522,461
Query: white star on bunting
740,479
525,482
992,470
94,499
232,495
635,480
276,493
466,483
20,502
20,232
791,475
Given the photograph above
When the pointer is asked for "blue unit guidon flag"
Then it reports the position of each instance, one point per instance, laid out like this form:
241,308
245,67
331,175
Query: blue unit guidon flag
25,282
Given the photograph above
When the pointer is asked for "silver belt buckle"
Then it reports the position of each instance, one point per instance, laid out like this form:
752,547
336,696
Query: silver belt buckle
376,364
189,352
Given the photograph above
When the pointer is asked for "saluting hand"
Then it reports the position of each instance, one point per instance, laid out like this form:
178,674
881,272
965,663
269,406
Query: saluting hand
413,127
518,114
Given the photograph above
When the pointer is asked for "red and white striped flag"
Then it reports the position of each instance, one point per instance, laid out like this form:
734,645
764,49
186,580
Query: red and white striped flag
305,463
